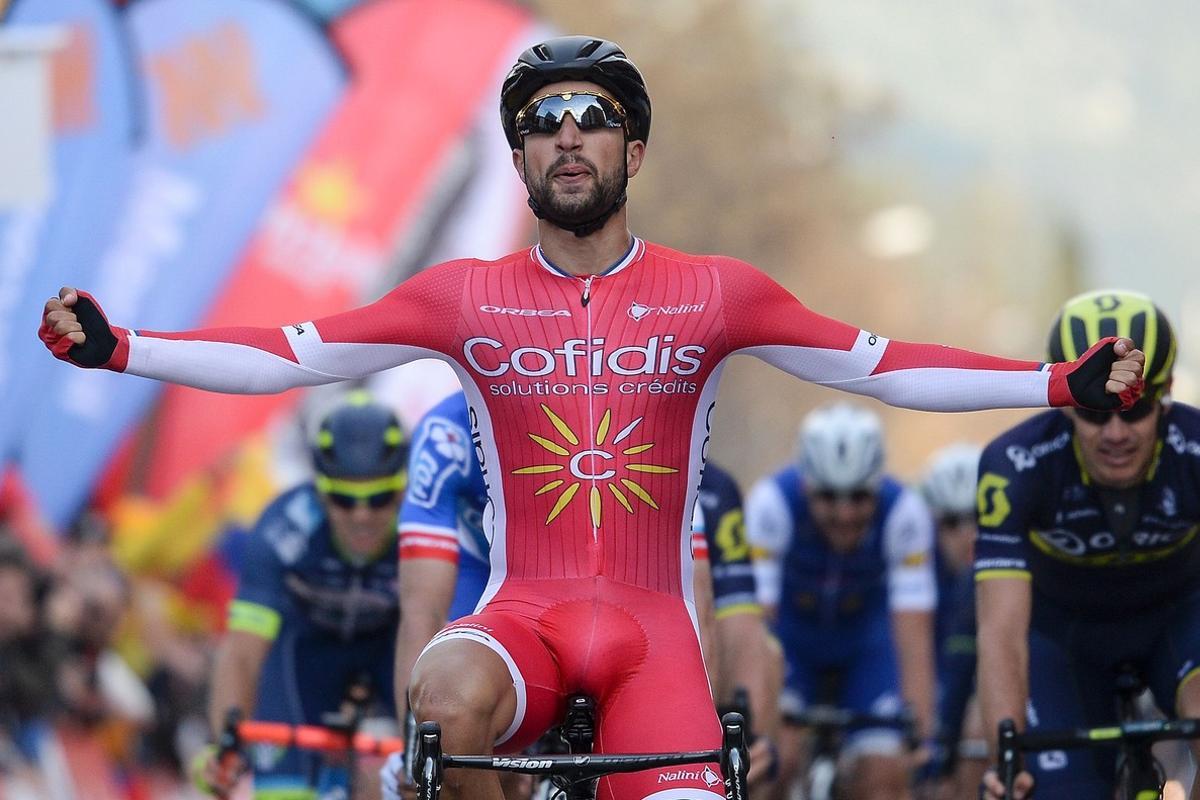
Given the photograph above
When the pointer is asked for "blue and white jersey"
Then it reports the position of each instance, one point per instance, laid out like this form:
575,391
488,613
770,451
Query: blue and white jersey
818,589
293,577
442,514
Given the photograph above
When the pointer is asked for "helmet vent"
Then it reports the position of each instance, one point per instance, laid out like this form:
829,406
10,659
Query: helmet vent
589,48
543,52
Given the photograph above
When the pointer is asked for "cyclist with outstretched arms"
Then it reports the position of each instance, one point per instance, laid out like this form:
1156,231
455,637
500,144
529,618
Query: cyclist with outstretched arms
1088,558
591,363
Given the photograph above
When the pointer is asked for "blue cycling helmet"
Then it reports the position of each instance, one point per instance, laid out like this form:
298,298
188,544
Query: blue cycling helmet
360,439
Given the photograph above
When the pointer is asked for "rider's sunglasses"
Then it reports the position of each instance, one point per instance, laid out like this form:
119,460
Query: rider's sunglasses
1140,410
956,520
590,110
348,495
374,502
856,496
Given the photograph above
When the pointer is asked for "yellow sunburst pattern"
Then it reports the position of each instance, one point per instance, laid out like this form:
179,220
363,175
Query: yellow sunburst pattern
593,466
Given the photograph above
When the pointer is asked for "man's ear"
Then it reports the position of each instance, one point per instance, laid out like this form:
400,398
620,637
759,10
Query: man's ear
635,152
518,158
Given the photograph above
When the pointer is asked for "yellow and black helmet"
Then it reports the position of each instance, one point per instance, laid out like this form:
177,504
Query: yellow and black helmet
1085,319
360,439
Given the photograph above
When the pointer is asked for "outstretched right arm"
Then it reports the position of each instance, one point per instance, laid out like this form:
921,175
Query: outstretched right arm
414,320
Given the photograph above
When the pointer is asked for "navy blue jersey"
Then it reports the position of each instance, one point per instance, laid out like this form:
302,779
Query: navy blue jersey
720,501
1087,548
294,576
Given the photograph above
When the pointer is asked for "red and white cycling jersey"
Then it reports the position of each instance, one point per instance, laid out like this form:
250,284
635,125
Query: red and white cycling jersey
590,402
591,397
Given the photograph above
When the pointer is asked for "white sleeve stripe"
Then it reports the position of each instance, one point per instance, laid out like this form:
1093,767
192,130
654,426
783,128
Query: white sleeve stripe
908,542
244,369
921,388
418,529
436,543
912,589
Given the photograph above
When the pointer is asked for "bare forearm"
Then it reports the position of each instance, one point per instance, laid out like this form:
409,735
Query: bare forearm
1003,609
914,646
234,685
1002,683
745,662
707,622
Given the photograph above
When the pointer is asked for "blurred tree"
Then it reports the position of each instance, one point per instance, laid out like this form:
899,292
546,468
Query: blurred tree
753,154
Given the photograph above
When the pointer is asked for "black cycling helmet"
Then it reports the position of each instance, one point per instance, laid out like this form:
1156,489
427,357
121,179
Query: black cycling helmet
360,439
576,58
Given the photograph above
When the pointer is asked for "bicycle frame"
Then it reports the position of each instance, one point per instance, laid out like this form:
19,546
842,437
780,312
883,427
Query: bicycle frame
733,758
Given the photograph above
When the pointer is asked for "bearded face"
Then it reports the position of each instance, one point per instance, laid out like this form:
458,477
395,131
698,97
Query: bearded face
572,189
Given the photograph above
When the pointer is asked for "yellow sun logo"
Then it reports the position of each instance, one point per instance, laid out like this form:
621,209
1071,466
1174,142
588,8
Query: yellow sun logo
603,454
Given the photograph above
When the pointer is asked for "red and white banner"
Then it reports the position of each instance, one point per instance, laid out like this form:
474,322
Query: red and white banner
412,156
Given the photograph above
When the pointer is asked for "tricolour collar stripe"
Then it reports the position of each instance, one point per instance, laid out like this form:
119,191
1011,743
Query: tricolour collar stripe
637,249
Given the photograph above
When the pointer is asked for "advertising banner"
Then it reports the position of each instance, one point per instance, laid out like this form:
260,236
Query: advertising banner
387,173
235,90
96,117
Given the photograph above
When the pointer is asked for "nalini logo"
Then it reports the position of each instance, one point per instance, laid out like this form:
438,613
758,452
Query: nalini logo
639,311
599,465
707,775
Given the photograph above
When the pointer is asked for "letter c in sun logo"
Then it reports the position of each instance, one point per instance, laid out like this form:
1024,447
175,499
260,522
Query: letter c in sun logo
992,500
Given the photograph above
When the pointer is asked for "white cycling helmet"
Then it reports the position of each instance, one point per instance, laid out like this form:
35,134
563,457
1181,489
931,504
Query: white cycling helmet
841,448
949,483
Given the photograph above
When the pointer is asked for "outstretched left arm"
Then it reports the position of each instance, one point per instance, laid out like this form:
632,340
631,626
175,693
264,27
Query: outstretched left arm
765,320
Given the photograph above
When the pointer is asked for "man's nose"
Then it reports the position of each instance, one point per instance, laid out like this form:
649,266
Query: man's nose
569,137
1115,428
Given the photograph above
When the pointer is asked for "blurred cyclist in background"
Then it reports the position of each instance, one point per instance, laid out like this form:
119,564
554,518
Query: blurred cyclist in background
747,657
948,487
843,557
443,549
1088,557
316,606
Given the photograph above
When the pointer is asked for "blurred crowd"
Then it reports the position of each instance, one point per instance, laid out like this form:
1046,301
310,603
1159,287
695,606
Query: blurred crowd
101,696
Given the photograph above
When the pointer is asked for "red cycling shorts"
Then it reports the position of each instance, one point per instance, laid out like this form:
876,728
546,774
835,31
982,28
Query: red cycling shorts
632,650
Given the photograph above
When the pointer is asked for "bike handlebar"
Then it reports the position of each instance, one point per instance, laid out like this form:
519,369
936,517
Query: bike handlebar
1148,731
237,733
1138,732
583,766
316,737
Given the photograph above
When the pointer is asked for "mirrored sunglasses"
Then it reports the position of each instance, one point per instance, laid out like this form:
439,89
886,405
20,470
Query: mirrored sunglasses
590,110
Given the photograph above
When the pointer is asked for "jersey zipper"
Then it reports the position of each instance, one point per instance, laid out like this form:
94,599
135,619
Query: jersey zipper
586,299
